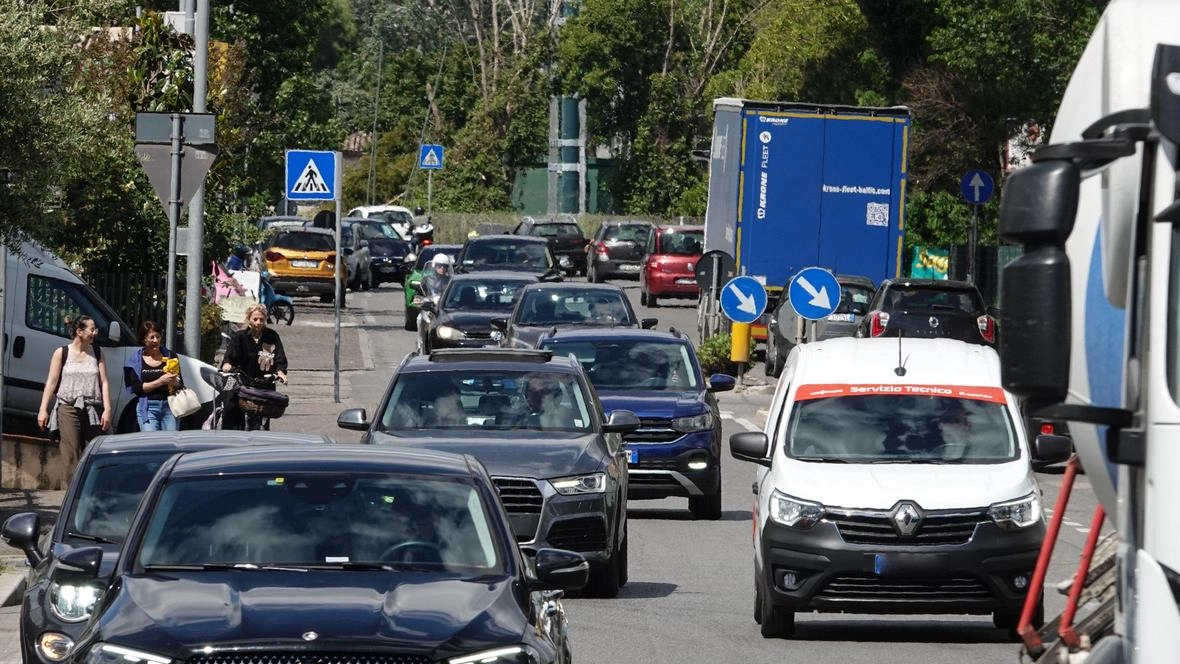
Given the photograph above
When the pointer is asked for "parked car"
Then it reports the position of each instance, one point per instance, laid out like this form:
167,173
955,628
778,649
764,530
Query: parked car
617,250
929,308
346,554
784,326
354,242
676,451
543,307
532,418
302,261
420,261
280,221
463,319
515,253
100,501
388,259
565,238
669,268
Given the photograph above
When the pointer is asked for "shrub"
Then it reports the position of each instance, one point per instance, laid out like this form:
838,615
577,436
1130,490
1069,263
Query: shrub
714,355
210,330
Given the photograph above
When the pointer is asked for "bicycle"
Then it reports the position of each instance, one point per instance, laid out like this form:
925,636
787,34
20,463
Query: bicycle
256,399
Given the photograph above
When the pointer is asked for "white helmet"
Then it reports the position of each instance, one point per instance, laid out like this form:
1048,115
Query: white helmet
441,259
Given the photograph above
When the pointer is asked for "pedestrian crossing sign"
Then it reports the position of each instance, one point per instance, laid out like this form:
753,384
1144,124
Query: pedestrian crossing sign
311,175
430,157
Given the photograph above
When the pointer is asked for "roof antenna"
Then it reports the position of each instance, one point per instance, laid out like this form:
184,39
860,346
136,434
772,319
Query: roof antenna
900,370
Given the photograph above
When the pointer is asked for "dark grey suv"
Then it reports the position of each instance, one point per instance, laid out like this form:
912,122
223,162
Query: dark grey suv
617,250
535,423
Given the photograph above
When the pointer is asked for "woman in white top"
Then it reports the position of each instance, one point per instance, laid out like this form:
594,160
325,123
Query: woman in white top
76,403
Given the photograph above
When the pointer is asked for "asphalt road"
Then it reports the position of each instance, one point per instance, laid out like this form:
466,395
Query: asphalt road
690,596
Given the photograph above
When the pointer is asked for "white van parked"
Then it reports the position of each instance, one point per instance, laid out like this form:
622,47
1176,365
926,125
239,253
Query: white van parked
893,482
40,292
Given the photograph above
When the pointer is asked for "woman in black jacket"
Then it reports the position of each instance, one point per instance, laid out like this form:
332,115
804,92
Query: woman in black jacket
255,351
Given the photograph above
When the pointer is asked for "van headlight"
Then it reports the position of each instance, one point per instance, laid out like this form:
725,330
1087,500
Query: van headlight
792,512
109,653
72,603
520,654
570,486
693,423
449,333
1017,514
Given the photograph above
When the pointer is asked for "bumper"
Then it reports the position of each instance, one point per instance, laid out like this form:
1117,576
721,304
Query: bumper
816,570
541,517
611,267
303,285
661,470
386,272
665,285
469,342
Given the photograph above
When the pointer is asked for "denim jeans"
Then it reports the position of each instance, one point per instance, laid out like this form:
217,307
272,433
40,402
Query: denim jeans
159,417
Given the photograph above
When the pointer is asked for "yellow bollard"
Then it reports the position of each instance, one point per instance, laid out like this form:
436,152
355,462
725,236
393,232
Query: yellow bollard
739,347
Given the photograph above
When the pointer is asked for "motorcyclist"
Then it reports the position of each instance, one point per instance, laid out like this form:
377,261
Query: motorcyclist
435,282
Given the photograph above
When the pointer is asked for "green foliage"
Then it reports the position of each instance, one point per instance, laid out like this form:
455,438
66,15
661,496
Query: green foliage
714,355
210,330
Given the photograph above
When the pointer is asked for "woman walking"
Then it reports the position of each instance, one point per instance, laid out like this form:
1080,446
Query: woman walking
76,403
145,376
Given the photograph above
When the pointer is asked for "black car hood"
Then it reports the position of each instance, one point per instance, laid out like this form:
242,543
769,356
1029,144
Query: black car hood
653,405
177,613
527,336
515,453
470,320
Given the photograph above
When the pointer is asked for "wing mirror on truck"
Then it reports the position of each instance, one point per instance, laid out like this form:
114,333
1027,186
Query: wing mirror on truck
1050,448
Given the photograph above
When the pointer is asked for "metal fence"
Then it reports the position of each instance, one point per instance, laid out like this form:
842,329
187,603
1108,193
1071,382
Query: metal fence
988,268
136,297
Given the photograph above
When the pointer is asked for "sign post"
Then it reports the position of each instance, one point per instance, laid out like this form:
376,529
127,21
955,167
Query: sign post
743,300
976,188
314,175
430,159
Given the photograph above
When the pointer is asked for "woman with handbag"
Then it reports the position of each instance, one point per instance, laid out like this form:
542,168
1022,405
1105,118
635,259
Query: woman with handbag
257,353
146,376
76,403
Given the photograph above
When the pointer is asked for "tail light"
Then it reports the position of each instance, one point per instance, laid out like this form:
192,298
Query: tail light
653,266
331,259
273,256
987,328
427,241
878,321
1047,428
600,248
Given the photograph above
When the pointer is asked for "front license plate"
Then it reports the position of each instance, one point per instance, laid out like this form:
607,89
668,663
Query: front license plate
904,563
305,264
301,289
632,456
686,280
387,268
628,268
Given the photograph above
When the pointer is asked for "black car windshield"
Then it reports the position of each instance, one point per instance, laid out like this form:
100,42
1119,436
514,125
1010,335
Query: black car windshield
543,307
428,253
109,493
486,399
636,233
305,241
322,520
557,230
632,365
900,428
854,299
506,254
933,299
388,247
486,295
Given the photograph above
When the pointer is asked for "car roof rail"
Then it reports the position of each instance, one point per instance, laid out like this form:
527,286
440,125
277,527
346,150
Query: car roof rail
534,355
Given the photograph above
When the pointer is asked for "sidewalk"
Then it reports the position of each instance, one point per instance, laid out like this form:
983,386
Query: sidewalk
13,562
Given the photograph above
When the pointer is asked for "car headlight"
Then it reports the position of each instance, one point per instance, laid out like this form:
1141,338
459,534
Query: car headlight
1017,514
569,486
108,653
449,333
693,423
72,603
54,646
520,654
792,512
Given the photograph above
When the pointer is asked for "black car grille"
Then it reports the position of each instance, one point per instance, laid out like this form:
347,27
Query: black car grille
308,658
936,528
902,590
479,334
519,496
583,534
656,464
653,430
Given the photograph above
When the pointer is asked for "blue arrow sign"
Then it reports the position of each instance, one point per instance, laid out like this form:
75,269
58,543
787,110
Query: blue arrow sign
430,157
743,300
976,186
814,293
311,175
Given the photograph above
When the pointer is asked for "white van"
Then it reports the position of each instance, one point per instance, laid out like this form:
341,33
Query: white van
895,478
40,292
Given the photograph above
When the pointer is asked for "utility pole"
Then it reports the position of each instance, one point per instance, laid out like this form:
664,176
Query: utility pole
196,211
567,142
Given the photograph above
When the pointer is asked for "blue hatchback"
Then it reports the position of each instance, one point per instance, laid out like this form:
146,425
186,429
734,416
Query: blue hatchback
677,449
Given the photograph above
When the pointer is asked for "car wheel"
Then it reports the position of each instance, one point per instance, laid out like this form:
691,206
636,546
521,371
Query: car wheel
593,275
771,354
642,296
757,603
652,301
777,622
325,298
604,578
624,559
1009,621
411,323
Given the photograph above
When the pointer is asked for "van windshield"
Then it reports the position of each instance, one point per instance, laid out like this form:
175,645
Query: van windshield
900,428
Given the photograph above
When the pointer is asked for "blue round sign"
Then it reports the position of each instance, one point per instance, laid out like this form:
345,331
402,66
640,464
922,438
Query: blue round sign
743,300
814,293
976,186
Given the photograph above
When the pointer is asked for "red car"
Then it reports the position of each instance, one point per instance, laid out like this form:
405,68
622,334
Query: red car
670,267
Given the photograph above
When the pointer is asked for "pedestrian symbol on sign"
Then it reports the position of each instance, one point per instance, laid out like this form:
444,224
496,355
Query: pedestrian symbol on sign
310,180
431,160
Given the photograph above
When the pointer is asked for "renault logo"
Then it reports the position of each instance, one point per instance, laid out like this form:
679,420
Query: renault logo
906,518
310,636
933,322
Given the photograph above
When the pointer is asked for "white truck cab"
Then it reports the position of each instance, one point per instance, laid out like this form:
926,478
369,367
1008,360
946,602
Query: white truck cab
895,477
40,292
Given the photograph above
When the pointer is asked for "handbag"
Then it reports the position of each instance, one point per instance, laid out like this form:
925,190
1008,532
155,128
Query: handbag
184,403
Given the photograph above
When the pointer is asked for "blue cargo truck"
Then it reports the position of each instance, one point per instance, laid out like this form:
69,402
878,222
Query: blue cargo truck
795,185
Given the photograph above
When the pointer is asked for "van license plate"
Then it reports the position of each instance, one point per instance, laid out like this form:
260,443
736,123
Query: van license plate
305,264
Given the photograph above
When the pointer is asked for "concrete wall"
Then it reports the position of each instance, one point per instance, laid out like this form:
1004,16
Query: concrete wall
33,464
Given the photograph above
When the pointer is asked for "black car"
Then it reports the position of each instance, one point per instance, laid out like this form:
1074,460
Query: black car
463,318
784,326
928,308
617,250
388,256
565,238
513,253
347,554
100,501
543,307
533,420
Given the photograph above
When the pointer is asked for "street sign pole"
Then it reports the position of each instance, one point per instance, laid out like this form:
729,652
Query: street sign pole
173,222
339,282
196,211
976,188
429,192
972,244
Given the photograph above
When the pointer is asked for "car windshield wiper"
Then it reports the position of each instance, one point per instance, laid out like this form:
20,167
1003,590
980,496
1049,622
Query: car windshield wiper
821,459
382,567
209,567
911,460
91,538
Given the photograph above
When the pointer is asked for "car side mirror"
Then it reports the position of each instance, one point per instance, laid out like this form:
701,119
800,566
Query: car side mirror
721,382
114,331
558,569
500,324
621,421
353,418
86,561
750,446
428,305
20,531
1051,448
648,323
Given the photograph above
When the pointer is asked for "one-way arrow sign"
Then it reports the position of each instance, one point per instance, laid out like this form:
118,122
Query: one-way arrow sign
811,293
976,187
743,300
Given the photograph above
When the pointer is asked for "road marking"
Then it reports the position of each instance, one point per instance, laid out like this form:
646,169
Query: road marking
747,424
